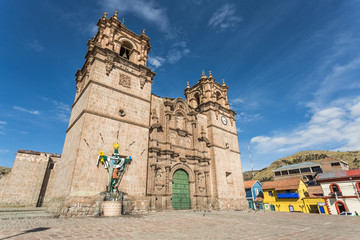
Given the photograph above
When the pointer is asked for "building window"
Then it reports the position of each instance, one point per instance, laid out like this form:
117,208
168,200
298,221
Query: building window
272,207
305,170
335,189
291,208
357,184
284,172
197,99
229,178
335,164
277,173
294,171
218,96
340,207
256,192
270,193
125,50
317,169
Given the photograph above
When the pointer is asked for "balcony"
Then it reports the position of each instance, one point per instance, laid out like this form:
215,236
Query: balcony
288,195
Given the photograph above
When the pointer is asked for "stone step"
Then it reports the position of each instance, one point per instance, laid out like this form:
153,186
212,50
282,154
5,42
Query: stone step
22,209
25,212
23,215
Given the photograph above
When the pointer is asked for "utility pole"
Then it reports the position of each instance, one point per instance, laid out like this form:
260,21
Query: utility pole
251,163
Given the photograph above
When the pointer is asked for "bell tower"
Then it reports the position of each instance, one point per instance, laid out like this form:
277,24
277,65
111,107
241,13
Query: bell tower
112,105
210,98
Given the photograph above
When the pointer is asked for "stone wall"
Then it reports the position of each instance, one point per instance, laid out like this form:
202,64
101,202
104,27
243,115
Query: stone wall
24,184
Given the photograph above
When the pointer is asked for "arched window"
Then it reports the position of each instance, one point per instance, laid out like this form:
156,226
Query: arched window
357,184
197,98
335,189
125,50
218,96
340,207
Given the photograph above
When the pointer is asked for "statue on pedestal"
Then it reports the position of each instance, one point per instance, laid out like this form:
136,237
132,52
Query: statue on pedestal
116,166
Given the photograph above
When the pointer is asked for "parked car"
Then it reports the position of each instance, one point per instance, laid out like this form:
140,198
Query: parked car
347,213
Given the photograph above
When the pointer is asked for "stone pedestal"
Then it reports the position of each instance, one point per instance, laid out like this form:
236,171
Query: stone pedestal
111,208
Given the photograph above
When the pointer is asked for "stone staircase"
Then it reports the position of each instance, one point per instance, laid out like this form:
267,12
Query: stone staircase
25,212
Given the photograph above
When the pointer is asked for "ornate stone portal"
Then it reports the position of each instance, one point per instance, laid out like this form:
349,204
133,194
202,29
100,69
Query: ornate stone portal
194,139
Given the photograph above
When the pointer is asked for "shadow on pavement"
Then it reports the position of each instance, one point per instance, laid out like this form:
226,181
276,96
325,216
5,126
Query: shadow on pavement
40,229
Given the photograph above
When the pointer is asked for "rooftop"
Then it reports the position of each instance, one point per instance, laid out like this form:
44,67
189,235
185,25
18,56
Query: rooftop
249,184
38,153
283,184
341,174
315,190
295,166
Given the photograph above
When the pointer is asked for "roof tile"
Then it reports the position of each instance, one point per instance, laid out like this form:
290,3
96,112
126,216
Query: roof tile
249,184
283,184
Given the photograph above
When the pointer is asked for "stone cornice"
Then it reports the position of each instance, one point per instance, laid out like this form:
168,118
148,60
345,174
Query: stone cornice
210,104
122,27
105,52
234,151
222,129
105,116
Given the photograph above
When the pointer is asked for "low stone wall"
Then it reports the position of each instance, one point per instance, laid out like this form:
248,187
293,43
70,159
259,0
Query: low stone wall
82,206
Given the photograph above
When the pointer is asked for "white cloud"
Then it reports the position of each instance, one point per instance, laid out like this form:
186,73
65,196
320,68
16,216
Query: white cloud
147,10
34,45
237,101
156,62
34,112
3,122
178,50
247,117
4,151
341,78
63,111
224,18
331,128
174,55
92,29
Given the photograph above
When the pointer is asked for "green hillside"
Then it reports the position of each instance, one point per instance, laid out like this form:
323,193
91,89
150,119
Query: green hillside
4,170
266,174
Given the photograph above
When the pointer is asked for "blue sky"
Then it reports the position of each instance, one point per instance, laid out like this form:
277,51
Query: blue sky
293,67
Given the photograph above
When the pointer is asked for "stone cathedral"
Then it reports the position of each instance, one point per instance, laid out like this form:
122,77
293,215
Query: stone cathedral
184,148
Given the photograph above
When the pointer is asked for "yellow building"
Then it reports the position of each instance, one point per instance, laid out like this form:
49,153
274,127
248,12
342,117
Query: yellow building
291,195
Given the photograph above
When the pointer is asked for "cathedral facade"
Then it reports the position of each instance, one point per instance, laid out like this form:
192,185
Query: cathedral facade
185,151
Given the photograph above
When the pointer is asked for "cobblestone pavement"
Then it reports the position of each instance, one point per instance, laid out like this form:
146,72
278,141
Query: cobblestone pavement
187,224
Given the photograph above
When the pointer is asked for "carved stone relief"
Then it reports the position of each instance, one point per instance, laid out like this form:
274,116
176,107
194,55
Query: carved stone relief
187,142
124,80
142,82
109,63
173,138
201,182
160,178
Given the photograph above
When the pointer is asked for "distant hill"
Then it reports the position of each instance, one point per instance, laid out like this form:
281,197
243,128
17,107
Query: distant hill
247,175
4,170
266,174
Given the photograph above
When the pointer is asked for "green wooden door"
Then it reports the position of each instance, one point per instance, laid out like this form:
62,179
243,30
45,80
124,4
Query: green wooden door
180,190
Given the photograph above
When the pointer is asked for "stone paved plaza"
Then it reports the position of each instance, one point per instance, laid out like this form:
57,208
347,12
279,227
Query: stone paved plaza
187,225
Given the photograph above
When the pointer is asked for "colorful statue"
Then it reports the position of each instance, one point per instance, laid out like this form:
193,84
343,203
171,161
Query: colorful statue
115,165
